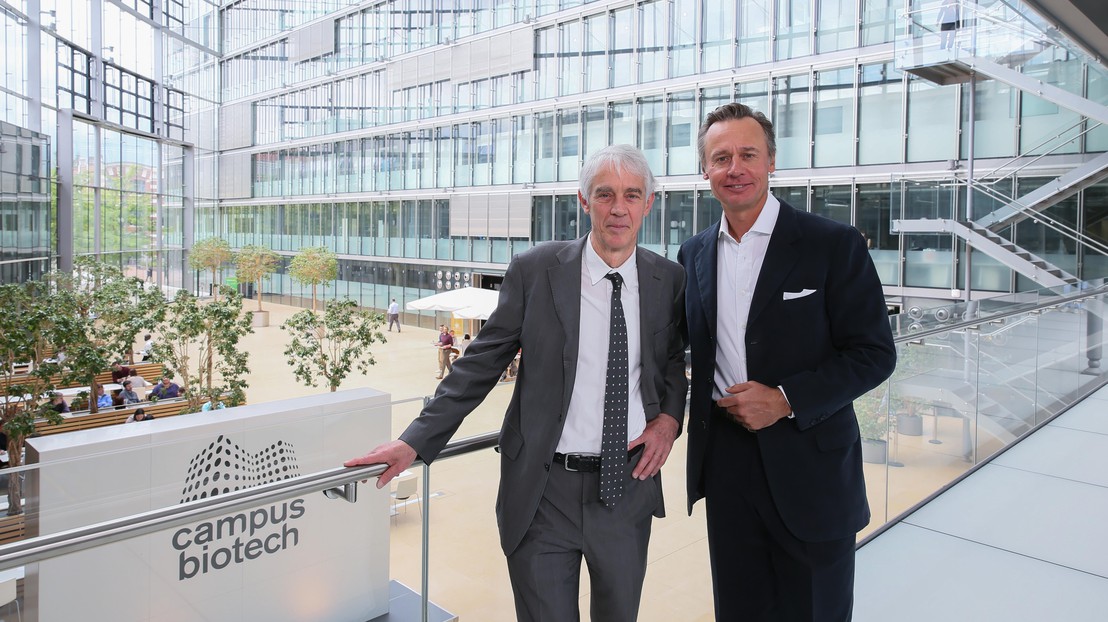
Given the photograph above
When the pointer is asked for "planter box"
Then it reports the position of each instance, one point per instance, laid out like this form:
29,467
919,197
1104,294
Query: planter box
874,452
909,425
261,319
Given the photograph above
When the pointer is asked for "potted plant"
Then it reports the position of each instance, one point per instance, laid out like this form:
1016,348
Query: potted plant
908,420
314,266
255,264
332,345
872,410
210,254
200,345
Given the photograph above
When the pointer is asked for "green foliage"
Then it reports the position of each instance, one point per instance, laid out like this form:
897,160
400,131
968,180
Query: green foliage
333,345
27,325
255,264
127,209
199,343
211,254
872,410
98,311
314,266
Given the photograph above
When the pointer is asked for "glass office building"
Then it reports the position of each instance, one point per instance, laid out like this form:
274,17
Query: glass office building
428,141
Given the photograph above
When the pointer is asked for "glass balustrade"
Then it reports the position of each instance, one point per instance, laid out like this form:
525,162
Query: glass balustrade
170,537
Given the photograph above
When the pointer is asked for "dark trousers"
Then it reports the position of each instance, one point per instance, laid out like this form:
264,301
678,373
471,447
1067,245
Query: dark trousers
760,571
573,524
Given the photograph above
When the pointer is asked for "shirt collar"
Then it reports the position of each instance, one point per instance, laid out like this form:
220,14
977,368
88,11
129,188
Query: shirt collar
597,269
763,225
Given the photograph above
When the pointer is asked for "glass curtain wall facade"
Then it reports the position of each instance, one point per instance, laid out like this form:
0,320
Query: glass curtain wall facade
448,136
25,225
422,137
128,89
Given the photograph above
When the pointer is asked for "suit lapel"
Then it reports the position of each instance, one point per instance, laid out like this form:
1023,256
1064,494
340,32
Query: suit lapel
565,291
651,301
706,275
781,256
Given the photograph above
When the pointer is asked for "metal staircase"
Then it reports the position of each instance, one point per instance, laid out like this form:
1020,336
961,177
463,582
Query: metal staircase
993,42
993,245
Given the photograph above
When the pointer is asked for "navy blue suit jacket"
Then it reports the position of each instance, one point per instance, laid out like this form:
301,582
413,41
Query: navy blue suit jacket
824,349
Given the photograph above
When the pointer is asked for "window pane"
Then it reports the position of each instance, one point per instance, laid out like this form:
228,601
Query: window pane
682,134
881,93
794,27
718,32
932,121
837,19
790,118
834,117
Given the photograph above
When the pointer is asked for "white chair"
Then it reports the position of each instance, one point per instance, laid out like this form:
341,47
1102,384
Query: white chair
407,486
8,590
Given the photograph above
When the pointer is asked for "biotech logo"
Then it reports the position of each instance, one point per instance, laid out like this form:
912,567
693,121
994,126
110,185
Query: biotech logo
225,467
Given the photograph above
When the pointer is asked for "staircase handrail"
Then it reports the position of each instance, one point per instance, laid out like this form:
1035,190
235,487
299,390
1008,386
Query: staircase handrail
1054,35
1035,158
1051,223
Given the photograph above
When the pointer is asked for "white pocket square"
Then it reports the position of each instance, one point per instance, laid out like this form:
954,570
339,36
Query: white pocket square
802,293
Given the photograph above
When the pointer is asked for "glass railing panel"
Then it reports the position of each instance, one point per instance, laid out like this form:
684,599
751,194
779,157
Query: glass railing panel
1008,401
872,410
298,556
1060,359
933,401
1006,32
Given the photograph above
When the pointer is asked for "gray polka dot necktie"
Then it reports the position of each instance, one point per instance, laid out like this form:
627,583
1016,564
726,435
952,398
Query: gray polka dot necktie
613,451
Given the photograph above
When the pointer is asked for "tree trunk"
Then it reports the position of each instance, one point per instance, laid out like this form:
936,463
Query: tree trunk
258,292
15,480
215,286
92,407
313,296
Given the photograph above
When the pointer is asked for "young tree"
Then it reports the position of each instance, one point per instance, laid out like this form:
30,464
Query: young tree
26,333
100,313
255,264
314,266
334,344
211,254
199,343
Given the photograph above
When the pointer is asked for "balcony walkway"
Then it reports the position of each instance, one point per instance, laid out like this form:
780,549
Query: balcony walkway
1022,538
1020,551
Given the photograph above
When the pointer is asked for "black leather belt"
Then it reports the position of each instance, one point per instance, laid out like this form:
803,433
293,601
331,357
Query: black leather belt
587,463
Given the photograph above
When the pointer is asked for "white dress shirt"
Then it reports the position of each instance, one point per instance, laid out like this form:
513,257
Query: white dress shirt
585,418
737,270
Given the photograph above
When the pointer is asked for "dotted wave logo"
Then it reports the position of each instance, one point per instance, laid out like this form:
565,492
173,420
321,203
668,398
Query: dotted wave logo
224,467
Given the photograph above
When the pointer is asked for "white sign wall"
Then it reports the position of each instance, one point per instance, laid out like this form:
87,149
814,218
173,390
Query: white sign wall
303,558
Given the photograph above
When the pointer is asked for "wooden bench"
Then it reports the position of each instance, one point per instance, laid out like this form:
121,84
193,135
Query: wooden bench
12,529
111,416
150,372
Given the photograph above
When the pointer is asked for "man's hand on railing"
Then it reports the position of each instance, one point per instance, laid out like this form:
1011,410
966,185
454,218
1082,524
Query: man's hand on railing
397,454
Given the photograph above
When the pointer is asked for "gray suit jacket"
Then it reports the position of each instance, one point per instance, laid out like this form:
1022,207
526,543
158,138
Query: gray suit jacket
539,313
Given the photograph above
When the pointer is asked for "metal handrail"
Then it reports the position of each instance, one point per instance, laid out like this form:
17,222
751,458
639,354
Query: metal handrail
1050,222
53,545
1020,309
79,539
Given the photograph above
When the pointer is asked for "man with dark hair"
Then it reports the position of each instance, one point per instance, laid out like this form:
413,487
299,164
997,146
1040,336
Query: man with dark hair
394,315
128,394
787,324
165,389
598,402
120,372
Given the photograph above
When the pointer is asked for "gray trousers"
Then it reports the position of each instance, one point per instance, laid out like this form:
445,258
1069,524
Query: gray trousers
572,523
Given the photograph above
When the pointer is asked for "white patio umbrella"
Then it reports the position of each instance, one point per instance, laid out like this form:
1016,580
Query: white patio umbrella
471,303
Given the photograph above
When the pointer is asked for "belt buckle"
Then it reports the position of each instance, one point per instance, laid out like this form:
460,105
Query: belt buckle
571,458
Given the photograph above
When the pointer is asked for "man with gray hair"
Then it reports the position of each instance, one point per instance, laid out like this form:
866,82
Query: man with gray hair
599,399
